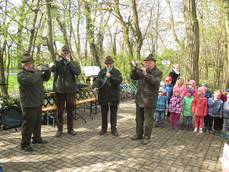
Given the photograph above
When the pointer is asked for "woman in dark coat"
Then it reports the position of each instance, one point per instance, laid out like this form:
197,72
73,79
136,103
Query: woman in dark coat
175,73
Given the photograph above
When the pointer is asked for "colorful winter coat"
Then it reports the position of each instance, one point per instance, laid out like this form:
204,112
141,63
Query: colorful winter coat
226,110
162,103
175,104
200,106
183,90
187,106
215,107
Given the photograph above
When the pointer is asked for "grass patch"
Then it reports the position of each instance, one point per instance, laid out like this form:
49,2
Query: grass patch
13,87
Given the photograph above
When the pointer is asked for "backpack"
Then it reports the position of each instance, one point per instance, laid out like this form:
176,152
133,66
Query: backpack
11,117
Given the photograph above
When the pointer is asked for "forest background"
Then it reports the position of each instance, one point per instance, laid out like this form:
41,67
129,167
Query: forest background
192,33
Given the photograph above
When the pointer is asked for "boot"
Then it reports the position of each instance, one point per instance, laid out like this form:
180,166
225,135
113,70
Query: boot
145,140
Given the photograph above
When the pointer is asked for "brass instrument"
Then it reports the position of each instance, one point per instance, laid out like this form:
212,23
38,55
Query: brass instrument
136,65
59,54
42,67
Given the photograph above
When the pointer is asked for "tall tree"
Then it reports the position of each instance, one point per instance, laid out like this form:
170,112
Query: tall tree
61,20
137,30
78,46
125,28
3,84
50,30
33,30
173,24
3,43
19,40
90,32
192,31
226,18
101,32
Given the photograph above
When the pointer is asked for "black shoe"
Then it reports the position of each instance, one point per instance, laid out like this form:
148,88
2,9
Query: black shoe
102,132
115,133
41,141
27,148
135,137
72,132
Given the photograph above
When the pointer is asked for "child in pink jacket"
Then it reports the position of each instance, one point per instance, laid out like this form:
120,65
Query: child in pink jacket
180,84
199,109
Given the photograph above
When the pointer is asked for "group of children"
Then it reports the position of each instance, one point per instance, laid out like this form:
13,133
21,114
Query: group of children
186,106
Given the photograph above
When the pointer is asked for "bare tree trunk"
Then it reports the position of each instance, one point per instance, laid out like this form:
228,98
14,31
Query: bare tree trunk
125,28
62,24
63,30
38,50
8,66
203,44
3,83
138,33
155,43
19,49
226,18
100,36
36,32
113,42
100,39
78,48
90,33
192,30
50,32
173,25
72,32
85,46
33,29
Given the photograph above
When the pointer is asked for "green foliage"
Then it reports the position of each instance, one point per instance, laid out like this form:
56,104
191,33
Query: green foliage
13,85
122,63
9,101
170,55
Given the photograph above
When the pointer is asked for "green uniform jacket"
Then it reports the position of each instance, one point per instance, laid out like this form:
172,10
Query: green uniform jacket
109,88
65,76
148,87
31,87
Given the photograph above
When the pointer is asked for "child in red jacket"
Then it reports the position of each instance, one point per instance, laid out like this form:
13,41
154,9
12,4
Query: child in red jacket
199,109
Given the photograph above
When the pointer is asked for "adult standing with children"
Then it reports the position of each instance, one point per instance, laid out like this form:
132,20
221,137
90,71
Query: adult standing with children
108,83
31,89
65,73
175,73
148,78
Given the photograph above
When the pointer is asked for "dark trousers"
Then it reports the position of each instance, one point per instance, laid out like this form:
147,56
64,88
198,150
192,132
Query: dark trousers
206,122
62,101
31,125
113,116
217,123
144,121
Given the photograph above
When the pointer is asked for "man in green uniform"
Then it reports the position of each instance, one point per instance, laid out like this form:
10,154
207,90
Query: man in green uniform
31,96
149,78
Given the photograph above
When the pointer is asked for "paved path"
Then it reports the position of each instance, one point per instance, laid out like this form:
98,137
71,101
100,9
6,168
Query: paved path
87,151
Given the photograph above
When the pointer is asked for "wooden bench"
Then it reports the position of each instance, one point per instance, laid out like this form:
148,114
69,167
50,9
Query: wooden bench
83,98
